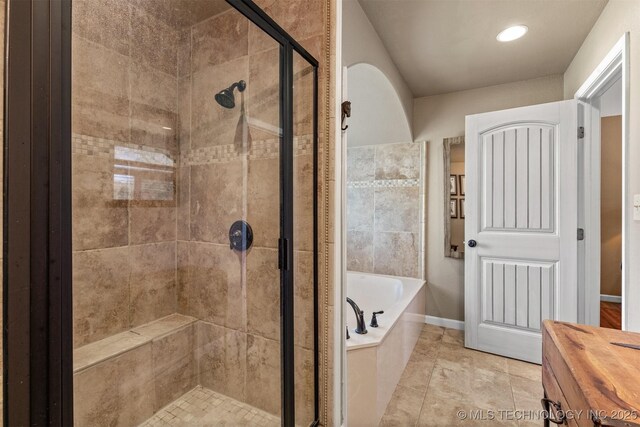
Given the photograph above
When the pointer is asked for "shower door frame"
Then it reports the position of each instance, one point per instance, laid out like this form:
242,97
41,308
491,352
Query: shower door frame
288,45
37,272
37,251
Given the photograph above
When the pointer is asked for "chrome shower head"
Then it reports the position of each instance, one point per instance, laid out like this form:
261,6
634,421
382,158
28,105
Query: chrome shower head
226,98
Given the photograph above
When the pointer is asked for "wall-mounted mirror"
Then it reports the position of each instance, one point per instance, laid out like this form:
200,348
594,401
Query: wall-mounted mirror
454,197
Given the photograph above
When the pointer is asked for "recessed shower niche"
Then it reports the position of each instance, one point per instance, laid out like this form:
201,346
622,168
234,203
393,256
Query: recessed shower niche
193,124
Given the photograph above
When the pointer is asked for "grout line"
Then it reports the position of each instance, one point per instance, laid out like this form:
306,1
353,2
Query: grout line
177,191
129,91
426,390
513,398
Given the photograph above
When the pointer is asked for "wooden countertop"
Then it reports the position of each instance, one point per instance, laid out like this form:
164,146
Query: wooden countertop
601,376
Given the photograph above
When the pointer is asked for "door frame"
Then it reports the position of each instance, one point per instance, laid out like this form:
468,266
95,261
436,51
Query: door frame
614,66
38,370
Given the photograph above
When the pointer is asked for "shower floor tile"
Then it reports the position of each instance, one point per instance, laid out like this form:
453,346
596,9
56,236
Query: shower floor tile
203,407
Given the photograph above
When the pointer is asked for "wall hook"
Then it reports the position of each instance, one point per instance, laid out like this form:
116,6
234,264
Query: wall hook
346,112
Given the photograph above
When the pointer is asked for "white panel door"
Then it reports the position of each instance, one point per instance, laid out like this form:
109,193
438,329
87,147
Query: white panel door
520,226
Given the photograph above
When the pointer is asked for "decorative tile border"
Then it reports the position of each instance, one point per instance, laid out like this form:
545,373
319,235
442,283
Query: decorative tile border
264,149
93,146
213,154
384,183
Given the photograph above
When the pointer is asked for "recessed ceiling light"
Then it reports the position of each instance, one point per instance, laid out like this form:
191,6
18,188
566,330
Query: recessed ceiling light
512,33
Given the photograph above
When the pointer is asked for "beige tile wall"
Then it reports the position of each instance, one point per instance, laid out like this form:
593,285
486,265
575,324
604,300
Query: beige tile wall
229,170
146,83
384,209
120,393
124,95
124,379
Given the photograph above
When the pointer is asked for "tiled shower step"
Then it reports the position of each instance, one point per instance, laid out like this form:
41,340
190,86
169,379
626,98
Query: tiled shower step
96,352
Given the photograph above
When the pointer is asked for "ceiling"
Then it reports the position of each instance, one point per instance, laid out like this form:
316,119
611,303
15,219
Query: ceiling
442,46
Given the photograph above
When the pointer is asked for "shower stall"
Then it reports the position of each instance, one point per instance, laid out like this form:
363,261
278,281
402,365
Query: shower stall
179,179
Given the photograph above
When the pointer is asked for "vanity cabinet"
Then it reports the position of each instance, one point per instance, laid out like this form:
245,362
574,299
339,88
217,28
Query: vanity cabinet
588,380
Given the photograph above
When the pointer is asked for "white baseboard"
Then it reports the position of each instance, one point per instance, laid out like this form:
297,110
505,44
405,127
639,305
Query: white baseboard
611,298
444,322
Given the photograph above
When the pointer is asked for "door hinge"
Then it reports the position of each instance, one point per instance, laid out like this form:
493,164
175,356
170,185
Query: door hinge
580,132
580,233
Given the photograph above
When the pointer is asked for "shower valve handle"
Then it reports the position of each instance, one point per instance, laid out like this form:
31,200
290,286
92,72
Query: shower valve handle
240,236
374,319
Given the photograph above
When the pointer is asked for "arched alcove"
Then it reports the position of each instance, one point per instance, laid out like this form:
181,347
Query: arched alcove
377,115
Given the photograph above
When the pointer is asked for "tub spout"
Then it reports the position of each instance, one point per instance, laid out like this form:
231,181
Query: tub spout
361,327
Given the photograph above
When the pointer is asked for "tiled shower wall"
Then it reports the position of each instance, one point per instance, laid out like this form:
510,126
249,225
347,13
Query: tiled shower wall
124,112
385,200
229,170
143,92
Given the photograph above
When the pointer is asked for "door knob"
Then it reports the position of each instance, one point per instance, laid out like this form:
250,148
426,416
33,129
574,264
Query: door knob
472,243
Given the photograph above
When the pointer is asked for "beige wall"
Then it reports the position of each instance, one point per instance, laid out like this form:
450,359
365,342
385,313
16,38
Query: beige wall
611,206
618,17
377,115
442,116
361,44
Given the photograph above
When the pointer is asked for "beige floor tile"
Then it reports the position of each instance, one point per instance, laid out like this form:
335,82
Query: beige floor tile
452,336
457,355
464,388
526,395
481,387
404,407
432,332
417,373
427,347
433,328
522,369
453,378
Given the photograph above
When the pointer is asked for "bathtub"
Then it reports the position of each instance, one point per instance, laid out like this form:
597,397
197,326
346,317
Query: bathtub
375,361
